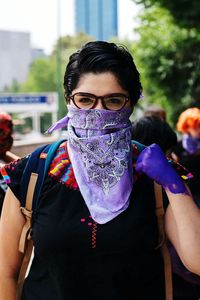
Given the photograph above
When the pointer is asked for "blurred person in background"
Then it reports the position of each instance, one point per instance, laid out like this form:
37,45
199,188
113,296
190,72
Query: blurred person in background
152,129
187,151
6,139
155,110
6,142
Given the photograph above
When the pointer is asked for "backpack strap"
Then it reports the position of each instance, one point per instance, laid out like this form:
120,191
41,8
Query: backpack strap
31,185
25,242
162,241
32,166
160,213
139,146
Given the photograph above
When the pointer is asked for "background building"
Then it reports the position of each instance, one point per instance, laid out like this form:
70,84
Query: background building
15,56
97,18
37,53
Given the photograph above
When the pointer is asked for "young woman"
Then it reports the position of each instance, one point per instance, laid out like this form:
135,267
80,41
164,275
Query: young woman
95,230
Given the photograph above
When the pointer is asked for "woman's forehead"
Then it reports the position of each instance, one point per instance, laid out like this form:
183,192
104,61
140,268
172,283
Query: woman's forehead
99,84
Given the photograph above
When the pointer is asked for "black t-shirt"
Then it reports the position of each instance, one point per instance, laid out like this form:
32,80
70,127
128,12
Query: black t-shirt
77,259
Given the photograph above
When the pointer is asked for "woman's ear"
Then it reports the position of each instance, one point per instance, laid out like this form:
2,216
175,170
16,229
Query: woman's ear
66,98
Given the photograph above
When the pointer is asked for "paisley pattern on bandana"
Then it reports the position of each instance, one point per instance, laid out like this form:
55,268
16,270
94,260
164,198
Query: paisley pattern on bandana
105,161
95,122
101,155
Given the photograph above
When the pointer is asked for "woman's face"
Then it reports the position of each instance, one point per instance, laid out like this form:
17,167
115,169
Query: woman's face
100,84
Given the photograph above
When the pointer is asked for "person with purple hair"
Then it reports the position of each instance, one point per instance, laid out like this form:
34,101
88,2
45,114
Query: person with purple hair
95,230
187,151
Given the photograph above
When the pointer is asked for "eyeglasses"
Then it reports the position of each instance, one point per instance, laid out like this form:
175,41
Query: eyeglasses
115,101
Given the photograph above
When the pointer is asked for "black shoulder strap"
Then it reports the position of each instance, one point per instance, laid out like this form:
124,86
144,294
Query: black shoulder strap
34,165
162,243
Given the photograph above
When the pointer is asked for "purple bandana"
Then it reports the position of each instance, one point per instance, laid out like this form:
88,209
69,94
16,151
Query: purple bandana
100,152
191,144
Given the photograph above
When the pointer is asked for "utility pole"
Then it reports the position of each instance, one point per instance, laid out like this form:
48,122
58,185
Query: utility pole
59,63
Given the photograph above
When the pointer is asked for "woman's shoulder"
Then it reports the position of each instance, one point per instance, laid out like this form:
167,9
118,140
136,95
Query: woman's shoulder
13,172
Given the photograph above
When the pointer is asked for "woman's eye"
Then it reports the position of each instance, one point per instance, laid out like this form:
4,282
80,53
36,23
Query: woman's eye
85,100
114,100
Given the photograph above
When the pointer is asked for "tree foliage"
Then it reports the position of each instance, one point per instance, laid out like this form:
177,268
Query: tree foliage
169,58
185,12
14,87
41,77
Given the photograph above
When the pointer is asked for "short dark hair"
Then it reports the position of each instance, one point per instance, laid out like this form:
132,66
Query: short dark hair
151,129
98,57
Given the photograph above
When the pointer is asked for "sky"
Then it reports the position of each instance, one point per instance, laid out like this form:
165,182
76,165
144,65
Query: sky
40,18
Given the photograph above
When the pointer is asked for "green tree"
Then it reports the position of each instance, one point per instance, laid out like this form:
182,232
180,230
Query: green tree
42,77
169,59
13,88
185,12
